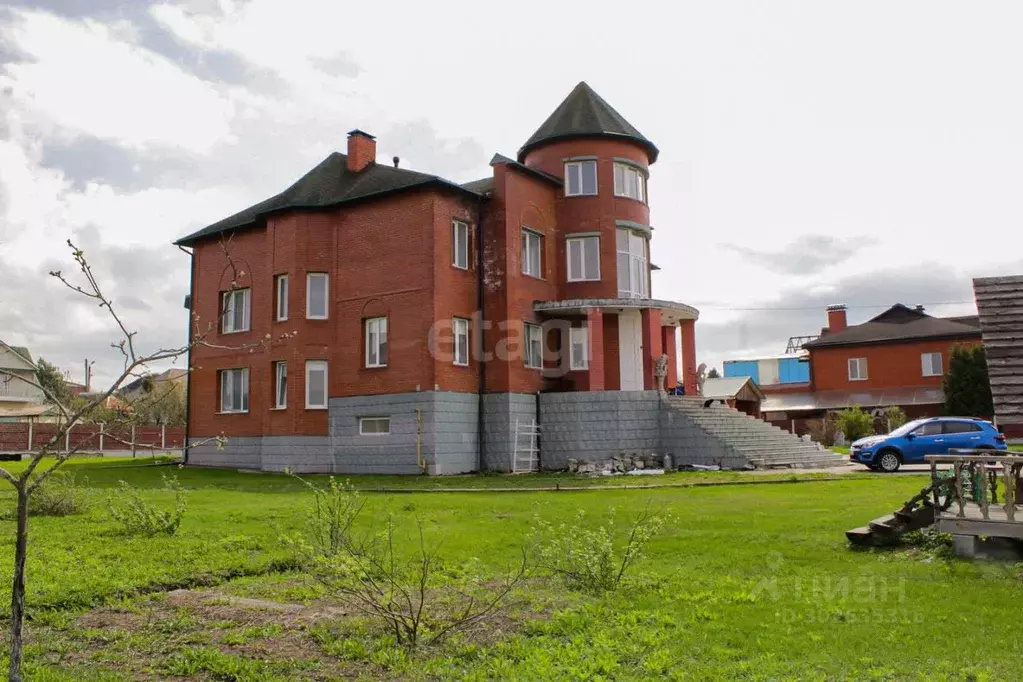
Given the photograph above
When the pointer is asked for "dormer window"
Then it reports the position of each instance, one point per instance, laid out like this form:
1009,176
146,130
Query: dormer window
581,178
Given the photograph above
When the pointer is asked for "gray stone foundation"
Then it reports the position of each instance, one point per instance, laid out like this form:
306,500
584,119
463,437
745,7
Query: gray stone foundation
500,412
432,430
436,432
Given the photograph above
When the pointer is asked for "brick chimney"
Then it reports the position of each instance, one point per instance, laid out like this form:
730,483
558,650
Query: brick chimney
362,150
836,318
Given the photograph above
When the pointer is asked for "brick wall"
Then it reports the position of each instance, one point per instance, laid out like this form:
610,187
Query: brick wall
592,213
889,365
385,258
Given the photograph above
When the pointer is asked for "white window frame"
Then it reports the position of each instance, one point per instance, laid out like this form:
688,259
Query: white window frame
281,290
581,243
927,365
637,271
531,238
362,426
578,336
310,367
228,302
310,276
376,341
228,378
577,167
857,363
280,377
460,244
528,330
626,175
459,331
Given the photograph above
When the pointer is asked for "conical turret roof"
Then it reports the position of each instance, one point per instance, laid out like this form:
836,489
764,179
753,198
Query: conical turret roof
584,113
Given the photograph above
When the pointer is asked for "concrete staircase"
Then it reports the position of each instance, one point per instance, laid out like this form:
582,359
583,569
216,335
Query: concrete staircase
740,437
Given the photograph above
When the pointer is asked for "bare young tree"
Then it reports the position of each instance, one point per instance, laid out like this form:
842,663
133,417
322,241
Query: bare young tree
43,462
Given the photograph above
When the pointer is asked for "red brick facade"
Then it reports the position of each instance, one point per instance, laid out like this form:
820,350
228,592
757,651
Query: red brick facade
889,365
390,255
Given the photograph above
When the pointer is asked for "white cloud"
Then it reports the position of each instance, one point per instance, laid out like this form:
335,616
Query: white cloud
88,78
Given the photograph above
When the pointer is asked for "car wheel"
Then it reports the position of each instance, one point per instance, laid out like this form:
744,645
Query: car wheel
888,461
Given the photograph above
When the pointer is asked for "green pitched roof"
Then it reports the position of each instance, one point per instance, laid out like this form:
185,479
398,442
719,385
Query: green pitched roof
330,183
584,113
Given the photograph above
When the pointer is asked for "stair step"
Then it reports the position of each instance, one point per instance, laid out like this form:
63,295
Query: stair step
884,524
860,536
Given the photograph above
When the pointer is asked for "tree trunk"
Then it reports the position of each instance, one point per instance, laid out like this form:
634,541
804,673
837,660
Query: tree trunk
18,589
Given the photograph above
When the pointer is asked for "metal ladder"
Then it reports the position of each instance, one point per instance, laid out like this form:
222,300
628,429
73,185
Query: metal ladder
526,456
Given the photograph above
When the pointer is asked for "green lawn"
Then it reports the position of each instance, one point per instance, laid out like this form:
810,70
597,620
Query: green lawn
751,582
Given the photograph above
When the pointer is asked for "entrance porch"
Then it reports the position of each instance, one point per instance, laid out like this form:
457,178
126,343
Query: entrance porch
624,339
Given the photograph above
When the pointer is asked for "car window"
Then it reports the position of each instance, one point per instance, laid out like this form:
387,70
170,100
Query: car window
961,427
929,429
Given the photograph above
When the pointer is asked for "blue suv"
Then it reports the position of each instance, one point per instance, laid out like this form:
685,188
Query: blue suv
914,440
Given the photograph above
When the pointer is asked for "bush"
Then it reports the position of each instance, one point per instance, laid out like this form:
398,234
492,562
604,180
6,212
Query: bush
60,495
855,423
411,592
138,516
824,430
594,559
894,417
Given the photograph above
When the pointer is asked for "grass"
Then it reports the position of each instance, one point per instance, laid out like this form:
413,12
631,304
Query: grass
752,582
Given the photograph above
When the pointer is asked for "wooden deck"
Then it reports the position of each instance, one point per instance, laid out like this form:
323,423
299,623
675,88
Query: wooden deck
986,491
973,522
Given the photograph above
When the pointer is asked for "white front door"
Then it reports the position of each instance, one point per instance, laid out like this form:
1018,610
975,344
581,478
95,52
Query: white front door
630,350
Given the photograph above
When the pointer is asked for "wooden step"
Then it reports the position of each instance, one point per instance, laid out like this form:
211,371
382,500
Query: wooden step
885,524
861,536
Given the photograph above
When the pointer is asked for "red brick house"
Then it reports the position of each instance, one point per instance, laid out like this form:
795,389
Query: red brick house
425,319
896,358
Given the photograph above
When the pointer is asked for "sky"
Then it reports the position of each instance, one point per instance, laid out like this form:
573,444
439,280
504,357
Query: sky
812,152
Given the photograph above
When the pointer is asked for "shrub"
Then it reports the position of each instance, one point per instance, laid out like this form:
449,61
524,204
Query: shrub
855,423
594,559
60,495
824,430
138,516
895,417
411,592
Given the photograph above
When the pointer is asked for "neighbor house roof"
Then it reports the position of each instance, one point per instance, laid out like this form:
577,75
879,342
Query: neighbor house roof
329,184
584,113
898,323
730,387
21,352
1000,302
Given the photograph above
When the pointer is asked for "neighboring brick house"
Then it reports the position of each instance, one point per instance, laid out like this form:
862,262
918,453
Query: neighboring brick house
384,279
896,358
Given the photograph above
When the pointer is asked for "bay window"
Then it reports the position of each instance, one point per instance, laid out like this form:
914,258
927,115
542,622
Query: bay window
580,178
630,182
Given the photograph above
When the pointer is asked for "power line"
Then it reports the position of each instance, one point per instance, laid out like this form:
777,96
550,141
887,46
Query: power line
710,306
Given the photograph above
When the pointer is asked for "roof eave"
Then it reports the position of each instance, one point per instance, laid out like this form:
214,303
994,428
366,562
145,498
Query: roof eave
196,237
816,345
650,147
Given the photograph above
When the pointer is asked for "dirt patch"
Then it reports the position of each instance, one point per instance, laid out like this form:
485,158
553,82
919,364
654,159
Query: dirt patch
216,606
